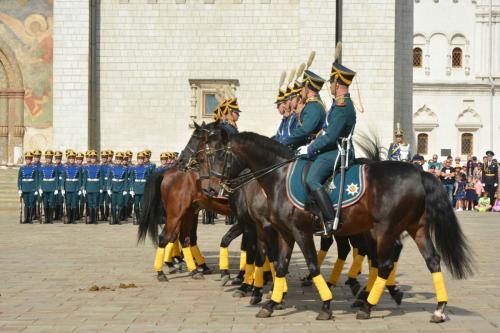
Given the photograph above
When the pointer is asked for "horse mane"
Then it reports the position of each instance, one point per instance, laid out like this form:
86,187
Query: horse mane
369,145
272,147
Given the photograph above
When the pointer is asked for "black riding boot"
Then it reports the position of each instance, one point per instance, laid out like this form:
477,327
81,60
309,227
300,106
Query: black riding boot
106,212
137,216
326,207
102,216
112,219
26,215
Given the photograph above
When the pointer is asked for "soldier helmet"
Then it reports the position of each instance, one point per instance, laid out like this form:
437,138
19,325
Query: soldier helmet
58,154
164,156
119,156
141,155
37,153
80,156
49,153
104,153
129,153
490,153
398,131
69,150
313,81
28,155
110,153
71,154
147,152
91,153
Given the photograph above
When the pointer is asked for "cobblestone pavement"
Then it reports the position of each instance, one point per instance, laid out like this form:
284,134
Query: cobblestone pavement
46,271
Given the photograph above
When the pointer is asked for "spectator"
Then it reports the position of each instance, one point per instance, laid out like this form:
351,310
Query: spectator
470,194
484,203
460,192
432,169
418,161
471,164
447,177
478,173
496,206
434,162
458,162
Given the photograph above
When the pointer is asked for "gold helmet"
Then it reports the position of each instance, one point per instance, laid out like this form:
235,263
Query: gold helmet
49,153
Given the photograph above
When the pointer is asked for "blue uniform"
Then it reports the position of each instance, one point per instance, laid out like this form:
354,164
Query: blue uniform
230,129
282,131
104,198
48,182
118,185
138,176
309,124
59,197
93,183
38,198
399,152
340,122
27,183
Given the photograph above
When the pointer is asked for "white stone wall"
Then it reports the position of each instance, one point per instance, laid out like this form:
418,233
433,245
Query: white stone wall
149,51
71,43
449,91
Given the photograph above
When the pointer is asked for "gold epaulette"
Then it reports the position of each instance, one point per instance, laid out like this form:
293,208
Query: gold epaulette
340,101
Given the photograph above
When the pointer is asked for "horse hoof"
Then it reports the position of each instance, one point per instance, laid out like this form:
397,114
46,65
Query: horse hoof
172,270
438,317
254,300
224,280
207,271
197,276
162,277
264,313
239,293
362,315
324,315
306,283
397,297
237,281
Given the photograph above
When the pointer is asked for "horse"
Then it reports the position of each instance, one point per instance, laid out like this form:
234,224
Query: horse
398,198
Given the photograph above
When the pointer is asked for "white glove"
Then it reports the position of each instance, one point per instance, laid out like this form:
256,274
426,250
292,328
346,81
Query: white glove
63,192
79,193
56,192
495,184
109,192
100,191
484,184
132,193
124,192
40,191
303,150
36,193
84,192
20,193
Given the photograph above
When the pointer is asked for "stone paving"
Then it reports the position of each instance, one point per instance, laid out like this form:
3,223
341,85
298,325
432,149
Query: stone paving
47,270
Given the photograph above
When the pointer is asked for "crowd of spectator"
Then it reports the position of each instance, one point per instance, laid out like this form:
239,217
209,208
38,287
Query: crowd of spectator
470,184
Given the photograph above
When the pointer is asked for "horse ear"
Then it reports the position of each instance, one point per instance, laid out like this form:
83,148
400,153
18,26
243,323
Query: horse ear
225,135
196,126
203,124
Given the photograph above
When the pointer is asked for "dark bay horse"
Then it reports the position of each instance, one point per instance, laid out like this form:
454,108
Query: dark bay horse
398,198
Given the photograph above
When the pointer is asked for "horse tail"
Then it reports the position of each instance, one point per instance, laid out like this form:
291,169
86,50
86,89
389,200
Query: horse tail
151,209
368,143
442,228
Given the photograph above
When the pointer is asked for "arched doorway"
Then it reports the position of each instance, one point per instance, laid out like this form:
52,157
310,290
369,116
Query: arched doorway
11,107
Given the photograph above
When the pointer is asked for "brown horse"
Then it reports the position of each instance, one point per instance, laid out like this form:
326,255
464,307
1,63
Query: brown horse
398,198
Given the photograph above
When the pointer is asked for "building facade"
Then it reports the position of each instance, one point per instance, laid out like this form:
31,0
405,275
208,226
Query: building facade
456,70
131,74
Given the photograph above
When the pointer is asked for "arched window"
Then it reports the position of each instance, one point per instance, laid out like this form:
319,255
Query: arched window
422,144
417,57
456,57
467,143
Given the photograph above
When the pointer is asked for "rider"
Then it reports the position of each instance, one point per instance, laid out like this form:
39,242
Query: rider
323,150
281,105
311,118
230,115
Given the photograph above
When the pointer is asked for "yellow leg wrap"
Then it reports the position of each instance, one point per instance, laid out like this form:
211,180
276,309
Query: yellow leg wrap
321,257
324,292
355,267
354,252
285,287
258,277
176,251
267,265
279,284
249,268
198,257
336,271
188,258
223,258
441,294
376,291
160,255
273,271
243,260
168,252
391,280
372,276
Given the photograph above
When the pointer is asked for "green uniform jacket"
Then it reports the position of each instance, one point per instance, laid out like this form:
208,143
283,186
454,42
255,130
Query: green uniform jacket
27,178
311,121
93,178
48,178
117,178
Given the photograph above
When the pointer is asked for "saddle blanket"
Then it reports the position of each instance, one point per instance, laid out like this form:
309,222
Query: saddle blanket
354,185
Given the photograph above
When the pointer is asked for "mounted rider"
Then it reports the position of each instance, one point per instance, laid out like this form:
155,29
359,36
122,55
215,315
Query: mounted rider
340,123
281,106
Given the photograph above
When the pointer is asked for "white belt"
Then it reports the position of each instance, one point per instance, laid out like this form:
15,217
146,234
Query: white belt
93,179
28,180
140,180
105,178
48,179
71,179
117,180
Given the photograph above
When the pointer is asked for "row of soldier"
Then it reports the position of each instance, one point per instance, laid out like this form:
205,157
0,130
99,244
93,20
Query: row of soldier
84,187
